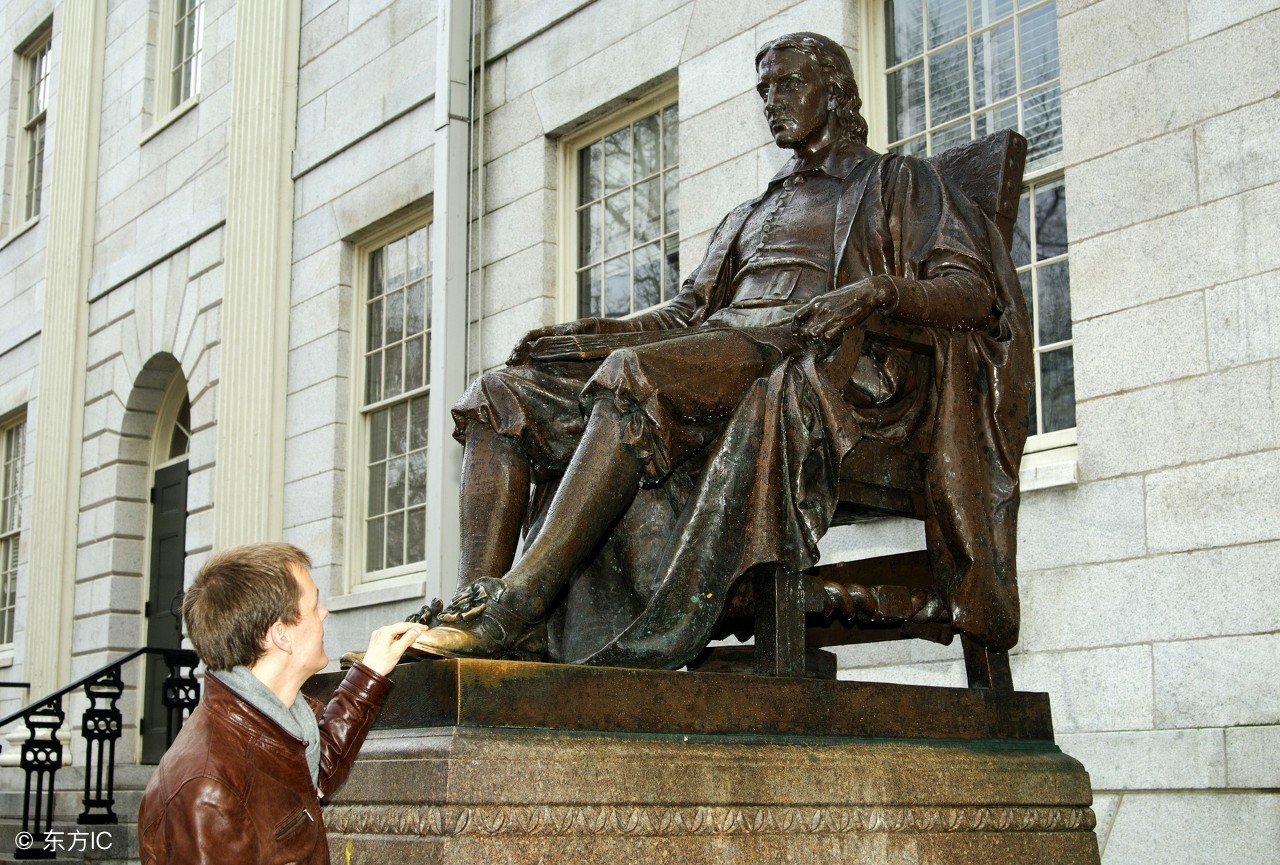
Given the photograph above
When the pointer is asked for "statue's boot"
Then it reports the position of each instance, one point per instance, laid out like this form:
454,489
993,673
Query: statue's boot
478,623
426,616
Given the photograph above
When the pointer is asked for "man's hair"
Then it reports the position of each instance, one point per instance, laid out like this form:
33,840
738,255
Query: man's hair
236,598
833,61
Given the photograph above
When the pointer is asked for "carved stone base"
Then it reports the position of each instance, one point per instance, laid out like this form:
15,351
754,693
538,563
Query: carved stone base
473,792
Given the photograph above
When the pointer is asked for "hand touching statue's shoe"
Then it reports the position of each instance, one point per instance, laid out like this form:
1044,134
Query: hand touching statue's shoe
477,623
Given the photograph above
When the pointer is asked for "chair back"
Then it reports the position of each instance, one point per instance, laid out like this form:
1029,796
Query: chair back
989,171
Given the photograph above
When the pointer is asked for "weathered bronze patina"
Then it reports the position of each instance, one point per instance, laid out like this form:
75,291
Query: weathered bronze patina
672,453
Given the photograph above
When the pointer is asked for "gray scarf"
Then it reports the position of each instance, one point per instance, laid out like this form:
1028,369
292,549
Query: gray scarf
297,719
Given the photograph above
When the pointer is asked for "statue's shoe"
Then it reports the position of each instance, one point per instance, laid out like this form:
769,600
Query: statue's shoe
477,624
429,615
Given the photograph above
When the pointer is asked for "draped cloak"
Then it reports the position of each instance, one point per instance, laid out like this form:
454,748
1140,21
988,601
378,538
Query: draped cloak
756,484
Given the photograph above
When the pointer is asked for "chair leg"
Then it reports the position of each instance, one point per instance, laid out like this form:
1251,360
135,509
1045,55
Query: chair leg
986,669
779,608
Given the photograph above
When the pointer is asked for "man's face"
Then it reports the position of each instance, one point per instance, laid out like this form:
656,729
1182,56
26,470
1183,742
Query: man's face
795,97
308,632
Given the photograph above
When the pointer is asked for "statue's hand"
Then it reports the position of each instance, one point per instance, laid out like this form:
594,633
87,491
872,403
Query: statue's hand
824,318
520,354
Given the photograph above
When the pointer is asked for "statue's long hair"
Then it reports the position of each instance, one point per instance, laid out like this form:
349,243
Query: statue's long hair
833,61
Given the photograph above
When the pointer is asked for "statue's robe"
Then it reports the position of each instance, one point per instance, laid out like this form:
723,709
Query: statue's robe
742,434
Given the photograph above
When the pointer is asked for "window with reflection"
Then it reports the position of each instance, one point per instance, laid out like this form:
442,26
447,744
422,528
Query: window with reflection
34,102
188,39
957,70
628,217
12,449
397,351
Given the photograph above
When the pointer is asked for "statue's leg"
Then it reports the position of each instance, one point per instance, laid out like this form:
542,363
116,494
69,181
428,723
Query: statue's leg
494,497
598,486
500,617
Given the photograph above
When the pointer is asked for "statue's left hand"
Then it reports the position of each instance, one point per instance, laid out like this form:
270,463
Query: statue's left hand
524,348
824,318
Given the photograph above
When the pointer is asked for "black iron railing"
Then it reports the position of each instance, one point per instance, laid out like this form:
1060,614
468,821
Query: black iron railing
101,726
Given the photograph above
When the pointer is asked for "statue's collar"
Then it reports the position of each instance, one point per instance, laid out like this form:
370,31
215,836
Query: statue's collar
838,161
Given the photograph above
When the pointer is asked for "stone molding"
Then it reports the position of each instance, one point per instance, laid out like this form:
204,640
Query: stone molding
433,821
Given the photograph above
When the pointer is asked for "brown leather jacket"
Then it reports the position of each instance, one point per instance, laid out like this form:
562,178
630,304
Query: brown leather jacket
234,787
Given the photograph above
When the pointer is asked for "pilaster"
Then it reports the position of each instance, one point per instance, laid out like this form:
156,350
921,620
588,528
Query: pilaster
249,472
448,287
55,497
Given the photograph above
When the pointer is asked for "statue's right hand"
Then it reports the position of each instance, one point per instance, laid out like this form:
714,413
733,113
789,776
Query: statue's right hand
524,348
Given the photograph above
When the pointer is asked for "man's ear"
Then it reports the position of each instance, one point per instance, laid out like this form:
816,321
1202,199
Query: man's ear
278,636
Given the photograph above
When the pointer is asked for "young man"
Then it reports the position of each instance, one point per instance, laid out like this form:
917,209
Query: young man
244,779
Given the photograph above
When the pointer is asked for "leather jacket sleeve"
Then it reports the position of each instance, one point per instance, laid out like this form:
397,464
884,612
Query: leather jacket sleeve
345,723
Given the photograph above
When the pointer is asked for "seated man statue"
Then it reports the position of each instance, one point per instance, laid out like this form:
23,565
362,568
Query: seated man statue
709,440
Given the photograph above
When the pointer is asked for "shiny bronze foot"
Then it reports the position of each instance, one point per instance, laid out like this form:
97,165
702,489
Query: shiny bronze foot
476,624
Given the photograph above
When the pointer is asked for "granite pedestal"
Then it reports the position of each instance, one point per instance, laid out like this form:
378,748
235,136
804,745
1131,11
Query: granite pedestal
505,762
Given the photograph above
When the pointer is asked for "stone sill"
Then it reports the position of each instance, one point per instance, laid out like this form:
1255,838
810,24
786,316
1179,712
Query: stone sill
380,592
1052,468
169,119
20,230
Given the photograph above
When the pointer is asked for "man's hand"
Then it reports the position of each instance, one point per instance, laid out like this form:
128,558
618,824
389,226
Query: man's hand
520,354
388,644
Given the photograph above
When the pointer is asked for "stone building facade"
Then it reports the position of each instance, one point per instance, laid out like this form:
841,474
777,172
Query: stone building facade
275,240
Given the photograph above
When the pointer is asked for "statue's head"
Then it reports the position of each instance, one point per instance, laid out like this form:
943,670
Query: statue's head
815,63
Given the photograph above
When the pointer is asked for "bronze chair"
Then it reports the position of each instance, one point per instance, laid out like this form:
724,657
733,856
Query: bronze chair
877,479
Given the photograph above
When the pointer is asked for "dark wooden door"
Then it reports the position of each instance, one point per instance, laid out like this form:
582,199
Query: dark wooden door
164,603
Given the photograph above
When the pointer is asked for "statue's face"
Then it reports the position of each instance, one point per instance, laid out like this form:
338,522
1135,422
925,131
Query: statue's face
796,97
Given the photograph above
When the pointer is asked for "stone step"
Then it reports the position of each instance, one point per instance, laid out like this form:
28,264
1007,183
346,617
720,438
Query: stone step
114,843
130,781
127,776
67,804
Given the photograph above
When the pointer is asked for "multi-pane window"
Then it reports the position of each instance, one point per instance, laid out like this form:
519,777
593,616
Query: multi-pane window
1040,252
35,107
11,460
188,30
396,384
627,217
957,70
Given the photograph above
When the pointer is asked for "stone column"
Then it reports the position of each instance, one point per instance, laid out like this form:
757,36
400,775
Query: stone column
248,480
59,416
448,288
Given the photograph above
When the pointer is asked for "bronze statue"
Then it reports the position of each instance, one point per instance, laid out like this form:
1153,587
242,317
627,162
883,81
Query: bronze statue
672,452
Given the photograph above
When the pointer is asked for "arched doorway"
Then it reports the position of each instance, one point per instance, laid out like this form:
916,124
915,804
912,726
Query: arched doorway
162,612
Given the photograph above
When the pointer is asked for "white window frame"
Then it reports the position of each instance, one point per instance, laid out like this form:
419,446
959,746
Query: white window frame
1049,458
358,577
169,103
668,94
31,143
12,470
